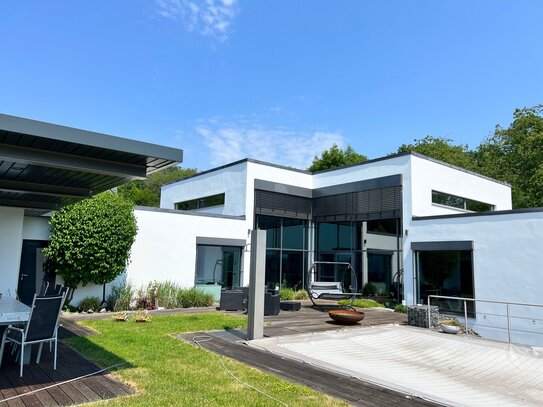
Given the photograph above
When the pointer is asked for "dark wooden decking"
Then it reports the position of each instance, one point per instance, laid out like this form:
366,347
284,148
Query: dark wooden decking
70,365
354,391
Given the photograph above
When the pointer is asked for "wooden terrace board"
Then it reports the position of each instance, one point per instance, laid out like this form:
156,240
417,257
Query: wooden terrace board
70,365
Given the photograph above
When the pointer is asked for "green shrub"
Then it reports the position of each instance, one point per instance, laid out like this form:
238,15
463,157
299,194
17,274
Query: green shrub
369,289
89,304
193,297
286,294
300,295
362,303
401,308
121,296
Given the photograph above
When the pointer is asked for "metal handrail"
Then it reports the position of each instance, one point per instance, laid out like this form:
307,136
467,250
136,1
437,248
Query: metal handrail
464,300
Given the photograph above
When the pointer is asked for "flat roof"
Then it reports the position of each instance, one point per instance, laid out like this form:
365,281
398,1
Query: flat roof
473,214
367,162
44,166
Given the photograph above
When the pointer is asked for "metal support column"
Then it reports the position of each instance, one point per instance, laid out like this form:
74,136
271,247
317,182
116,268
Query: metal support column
255,309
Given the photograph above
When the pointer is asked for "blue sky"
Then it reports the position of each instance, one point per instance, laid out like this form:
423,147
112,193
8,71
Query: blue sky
276,80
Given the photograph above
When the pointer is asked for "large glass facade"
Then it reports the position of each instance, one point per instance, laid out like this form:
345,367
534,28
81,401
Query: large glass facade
286,251
371,247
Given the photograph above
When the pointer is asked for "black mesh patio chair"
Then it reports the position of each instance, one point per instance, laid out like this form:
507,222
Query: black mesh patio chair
44,288
42,327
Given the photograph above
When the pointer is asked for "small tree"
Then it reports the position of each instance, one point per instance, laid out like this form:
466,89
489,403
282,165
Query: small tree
336,157
90,241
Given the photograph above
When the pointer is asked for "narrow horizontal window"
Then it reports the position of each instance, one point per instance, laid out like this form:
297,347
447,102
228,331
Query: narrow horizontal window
199,203
466,204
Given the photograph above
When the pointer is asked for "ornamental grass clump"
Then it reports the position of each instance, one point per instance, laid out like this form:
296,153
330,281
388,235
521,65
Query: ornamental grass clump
362,303
121,296
192,297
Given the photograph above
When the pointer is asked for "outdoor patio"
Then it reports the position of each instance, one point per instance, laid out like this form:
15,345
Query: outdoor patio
42,382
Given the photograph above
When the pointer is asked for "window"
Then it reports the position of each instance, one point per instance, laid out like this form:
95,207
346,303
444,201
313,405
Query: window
447,273
466,204
199,203
218,265
286,254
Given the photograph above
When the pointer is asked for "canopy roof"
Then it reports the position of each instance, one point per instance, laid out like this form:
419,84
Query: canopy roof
44,166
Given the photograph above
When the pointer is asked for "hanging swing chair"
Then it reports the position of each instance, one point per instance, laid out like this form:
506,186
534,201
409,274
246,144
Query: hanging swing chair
330,290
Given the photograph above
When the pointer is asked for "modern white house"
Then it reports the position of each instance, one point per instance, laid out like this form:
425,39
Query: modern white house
410,225
404,222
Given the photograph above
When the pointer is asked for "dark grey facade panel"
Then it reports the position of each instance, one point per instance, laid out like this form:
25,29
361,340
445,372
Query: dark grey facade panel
283,188
218,241
444,245
374,183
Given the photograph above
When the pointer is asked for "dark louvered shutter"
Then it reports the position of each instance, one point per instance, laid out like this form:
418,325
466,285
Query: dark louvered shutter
283,205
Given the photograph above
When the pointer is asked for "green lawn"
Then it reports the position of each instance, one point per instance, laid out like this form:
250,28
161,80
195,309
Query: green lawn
169,372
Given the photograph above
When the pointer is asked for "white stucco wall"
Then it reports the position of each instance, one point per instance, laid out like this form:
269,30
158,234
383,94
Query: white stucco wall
230,180
507,265
11,240
428,175
165,246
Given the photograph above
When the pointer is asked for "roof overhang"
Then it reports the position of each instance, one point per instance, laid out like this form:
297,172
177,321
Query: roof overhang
44,166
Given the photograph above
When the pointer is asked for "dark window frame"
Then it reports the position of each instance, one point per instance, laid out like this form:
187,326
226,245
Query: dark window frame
200,203
458,202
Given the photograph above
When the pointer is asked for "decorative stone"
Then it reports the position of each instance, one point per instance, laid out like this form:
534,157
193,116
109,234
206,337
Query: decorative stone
417,315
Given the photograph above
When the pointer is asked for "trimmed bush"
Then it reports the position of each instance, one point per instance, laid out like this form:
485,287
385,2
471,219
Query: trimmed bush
89,304
401,308
369,289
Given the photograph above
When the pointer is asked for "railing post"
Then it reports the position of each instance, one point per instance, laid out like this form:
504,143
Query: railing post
466,316
508,323
429,319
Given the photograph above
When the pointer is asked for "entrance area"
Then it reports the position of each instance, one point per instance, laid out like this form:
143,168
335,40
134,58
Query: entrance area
31,272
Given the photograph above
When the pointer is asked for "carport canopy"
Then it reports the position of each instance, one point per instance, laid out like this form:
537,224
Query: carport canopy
44,166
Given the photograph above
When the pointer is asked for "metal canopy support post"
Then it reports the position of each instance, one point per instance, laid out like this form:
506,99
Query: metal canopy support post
255,309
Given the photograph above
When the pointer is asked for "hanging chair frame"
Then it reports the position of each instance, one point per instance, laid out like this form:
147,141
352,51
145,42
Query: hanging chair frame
330,290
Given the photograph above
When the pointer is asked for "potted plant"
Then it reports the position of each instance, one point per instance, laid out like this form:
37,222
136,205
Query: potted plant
120,316
450,326
142,316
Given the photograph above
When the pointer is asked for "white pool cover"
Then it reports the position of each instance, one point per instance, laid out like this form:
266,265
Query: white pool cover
449,369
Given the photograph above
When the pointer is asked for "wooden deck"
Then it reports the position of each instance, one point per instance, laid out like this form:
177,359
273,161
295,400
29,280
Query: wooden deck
70,365
354,391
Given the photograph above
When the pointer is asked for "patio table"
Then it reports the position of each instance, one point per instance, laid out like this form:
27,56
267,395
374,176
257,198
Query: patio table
13,312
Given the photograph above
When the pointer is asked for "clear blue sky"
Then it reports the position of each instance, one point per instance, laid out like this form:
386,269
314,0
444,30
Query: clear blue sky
274,80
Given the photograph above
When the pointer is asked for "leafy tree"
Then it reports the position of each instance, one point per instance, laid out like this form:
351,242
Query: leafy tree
515,155
336,157
444,150
90,241
147,192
